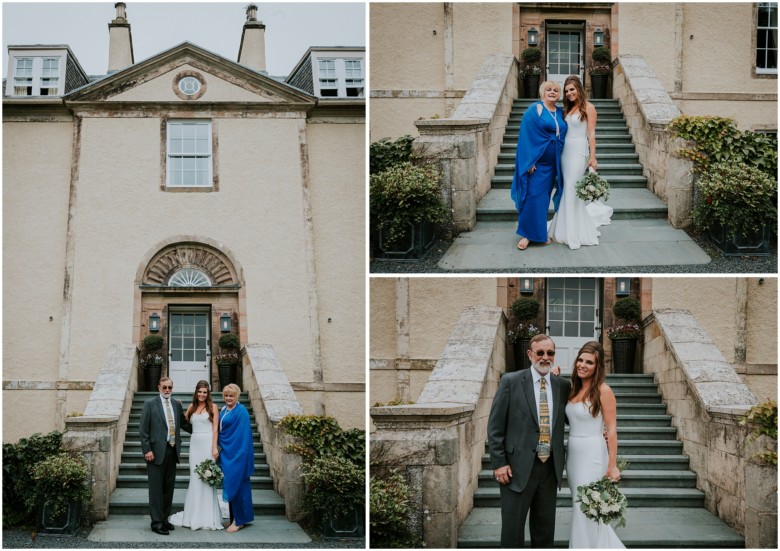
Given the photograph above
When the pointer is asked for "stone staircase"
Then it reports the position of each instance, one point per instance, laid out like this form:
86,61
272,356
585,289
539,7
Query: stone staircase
665,509
131,494
639,234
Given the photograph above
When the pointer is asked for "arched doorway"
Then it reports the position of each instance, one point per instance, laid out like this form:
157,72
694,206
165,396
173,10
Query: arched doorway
189,285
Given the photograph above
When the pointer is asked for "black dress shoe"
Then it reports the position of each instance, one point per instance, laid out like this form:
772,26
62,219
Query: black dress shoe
160,529
168,526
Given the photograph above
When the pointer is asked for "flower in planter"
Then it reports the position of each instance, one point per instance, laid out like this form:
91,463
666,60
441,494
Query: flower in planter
227,358
530,70
626,331
149,360
522,331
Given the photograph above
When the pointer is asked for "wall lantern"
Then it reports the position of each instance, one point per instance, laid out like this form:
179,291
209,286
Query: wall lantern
527,286
154,323
622,286
225,323
598,38
533,37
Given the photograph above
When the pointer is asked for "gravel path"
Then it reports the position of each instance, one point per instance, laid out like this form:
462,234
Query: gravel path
720,264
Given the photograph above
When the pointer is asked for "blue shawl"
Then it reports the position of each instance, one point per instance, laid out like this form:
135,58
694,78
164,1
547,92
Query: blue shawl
534,138
237,450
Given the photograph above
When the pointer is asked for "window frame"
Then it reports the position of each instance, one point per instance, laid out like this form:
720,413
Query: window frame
169,155
28,79
55,80
763,71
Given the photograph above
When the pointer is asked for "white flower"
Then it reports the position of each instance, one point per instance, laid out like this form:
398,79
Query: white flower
594,495
592,512
585,500
604,508
207,473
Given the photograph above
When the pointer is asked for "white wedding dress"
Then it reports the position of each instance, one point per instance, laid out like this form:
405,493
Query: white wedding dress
586,462
575,222
201,506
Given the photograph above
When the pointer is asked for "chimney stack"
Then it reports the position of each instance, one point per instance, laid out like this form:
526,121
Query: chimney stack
120,41
251,52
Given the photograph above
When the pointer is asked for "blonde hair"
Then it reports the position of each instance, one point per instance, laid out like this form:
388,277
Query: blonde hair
231,389
547,83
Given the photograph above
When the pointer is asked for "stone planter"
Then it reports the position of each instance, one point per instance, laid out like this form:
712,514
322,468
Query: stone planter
599,86
152,376
64,524
418,240
520,347
623,354
531,86
350,525
755,244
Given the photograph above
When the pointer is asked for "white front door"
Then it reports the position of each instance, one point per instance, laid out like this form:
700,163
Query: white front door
189,351
564,55
573,310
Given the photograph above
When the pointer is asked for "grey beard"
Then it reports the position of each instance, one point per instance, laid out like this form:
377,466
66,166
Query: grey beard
541,370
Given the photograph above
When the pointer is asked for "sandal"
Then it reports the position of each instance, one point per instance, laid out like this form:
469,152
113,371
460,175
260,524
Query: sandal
520,245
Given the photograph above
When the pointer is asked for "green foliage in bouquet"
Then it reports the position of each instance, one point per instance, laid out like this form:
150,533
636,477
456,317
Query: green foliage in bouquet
602,501
592,187
209,472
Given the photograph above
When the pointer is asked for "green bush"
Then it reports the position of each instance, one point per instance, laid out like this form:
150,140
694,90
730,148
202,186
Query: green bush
17,481
405,194
628,309
531,55
390,504
739,197
762,419
387,153
525,308
602,54
57,480
334,485
322,436
153,342
229,341
716,139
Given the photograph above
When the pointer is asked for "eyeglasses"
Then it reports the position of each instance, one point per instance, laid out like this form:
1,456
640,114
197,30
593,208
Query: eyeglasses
540,353
166,387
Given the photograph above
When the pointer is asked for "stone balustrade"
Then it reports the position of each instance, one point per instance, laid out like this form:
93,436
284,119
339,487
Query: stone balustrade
648,109
706,398
272,398
438,442
100,432
465,146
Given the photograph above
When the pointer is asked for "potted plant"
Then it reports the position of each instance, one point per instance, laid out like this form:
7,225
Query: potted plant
599,72
524,311
405,205
737,205
227,362
59,488
151,361
625,336
530,73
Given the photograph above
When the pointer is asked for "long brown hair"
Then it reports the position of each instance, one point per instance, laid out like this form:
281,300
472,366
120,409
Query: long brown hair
208,403
582,99
594,394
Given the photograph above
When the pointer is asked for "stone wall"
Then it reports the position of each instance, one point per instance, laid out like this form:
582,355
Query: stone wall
706,398
648,109
438,442
273,398
466,146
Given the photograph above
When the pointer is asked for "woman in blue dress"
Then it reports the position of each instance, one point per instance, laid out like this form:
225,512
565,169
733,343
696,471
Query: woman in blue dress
236,457
538,165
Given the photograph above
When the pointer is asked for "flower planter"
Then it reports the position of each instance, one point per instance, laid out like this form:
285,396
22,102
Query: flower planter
349,525
152,374
227,373
531,86
418,240
520,347
623,354
66,523
599,86
755,244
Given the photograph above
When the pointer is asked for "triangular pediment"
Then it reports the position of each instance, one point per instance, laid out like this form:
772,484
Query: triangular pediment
223,81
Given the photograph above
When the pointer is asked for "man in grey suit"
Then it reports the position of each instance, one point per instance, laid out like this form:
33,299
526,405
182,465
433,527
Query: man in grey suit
525,437
162,419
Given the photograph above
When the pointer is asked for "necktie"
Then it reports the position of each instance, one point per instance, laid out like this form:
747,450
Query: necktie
171,426
543,447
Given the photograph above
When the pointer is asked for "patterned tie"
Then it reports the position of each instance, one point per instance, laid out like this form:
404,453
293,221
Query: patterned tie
543,447
171,426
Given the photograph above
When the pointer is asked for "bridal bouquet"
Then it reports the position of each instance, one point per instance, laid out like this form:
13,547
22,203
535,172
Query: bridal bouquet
601,501
209,472
592,187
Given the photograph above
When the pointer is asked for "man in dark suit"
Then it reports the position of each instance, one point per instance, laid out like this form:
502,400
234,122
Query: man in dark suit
162,419
525,437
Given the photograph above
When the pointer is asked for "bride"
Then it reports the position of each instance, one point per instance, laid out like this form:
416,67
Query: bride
591,408
201,507
575,222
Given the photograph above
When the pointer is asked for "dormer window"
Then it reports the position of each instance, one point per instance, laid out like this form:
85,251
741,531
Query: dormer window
328,82
50,77
23,72
354,77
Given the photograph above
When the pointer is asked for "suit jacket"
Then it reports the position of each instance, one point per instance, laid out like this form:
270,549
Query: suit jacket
513,426
154,428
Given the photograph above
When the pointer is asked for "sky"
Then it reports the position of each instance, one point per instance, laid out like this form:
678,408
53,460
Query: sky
291,27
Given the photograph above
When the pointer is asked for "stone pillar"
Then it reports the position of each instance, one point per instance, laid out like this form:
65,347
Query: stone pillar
120,41
251,51
760,496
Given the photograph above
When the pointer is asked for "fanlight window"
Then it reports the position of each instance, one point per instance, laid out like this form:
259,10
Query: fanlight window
189,277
